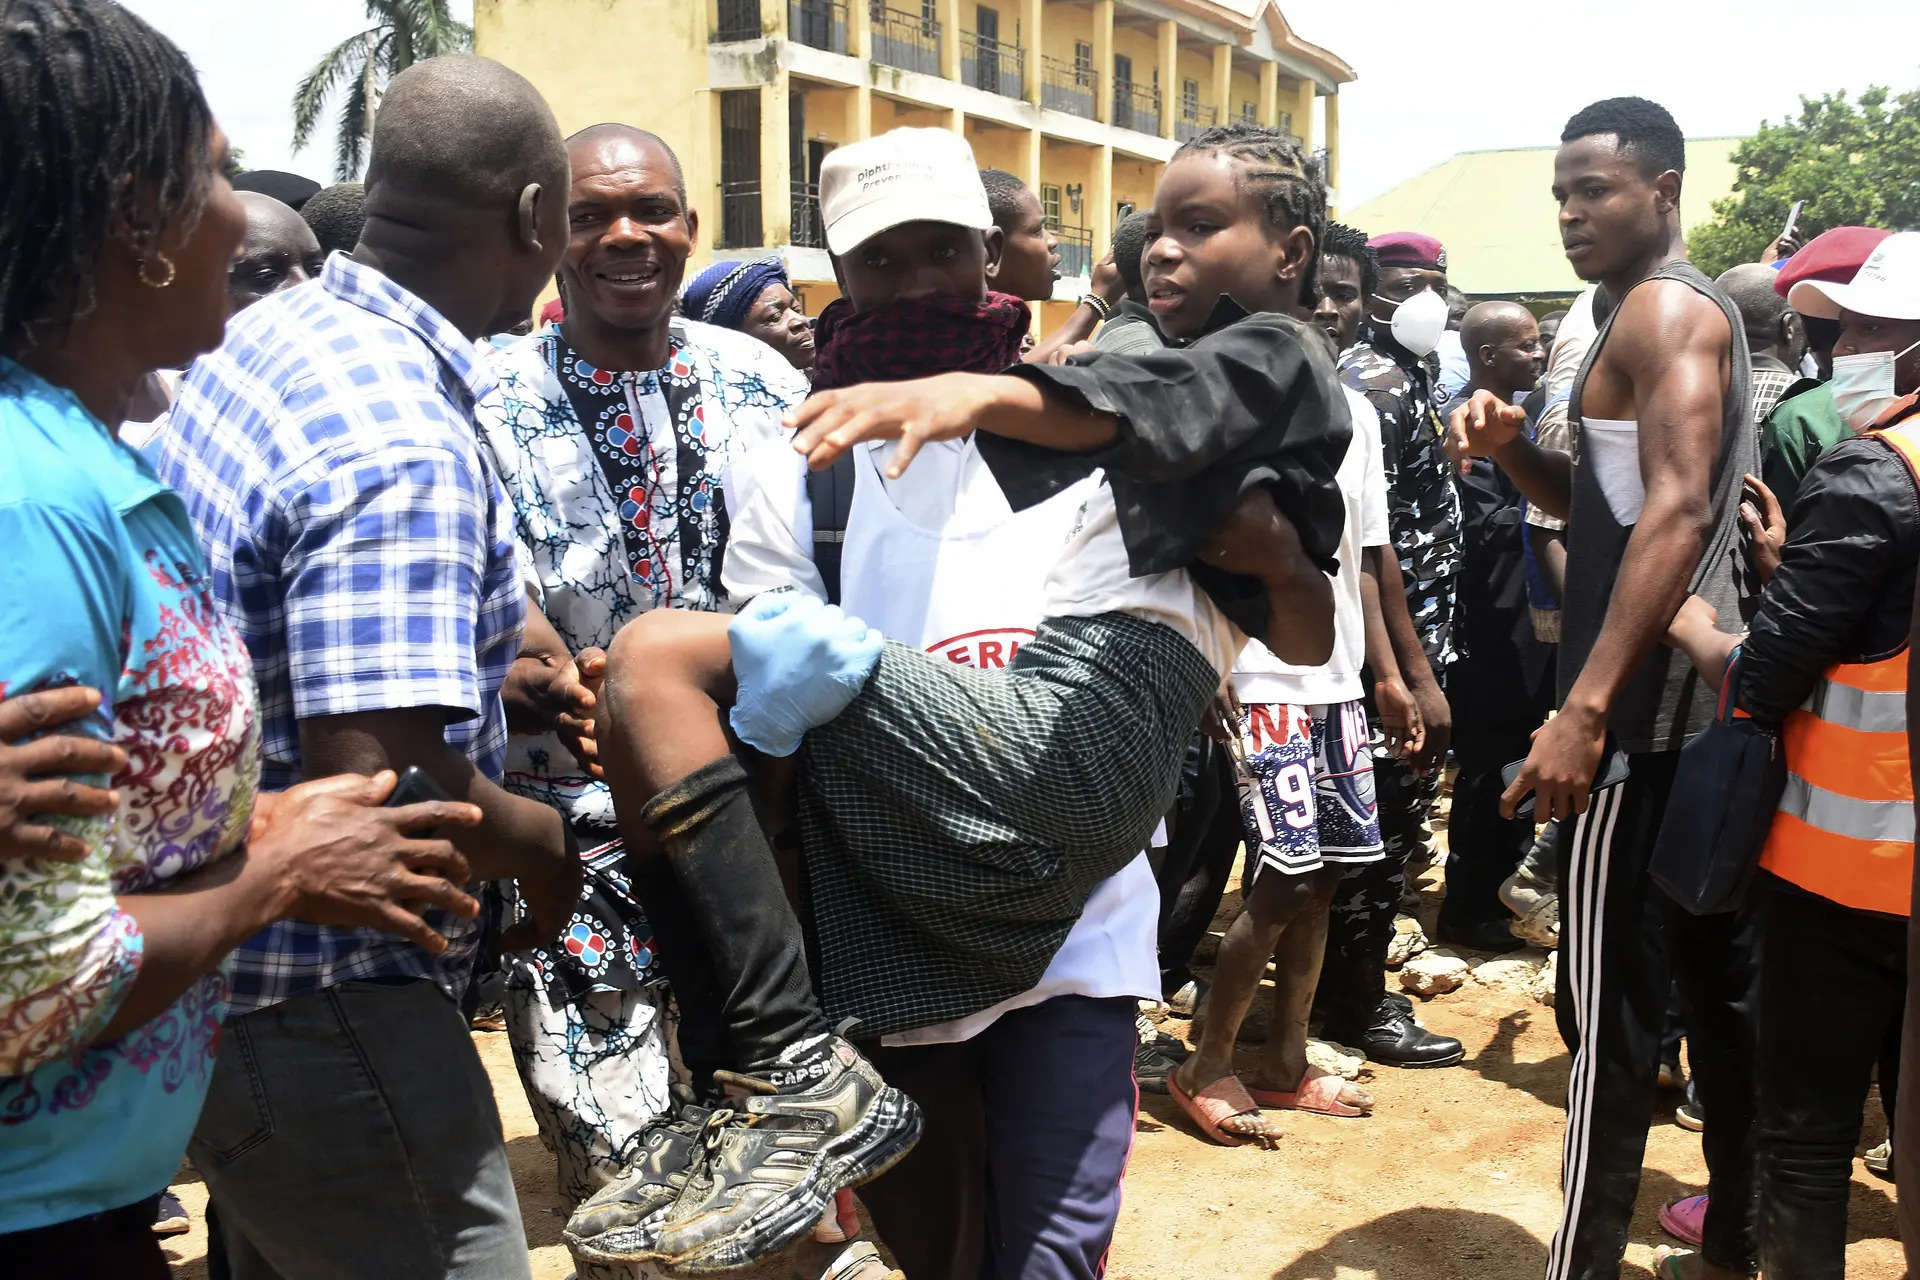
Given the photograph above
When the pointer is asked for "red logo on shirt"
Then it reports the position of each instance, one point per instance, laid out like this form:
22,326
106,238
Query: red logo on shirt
987,650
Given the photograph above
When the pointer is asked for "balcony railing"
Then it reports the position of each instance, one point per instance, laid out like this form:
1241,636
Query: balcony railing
1076,250
820,24
740,223
808,229
739,20
909,41
1248,118
1136,107
1194,121
1068,86
994,65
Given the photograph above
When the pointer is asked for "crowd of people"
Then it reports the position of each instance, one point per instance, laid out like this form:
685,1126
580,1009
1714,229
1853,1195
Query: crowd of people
830,737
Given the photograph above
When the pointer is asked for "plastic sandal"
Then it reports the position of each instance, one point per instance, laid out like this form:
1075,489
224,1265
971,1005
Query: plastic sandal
1319,1094
1685,1219
1222,1100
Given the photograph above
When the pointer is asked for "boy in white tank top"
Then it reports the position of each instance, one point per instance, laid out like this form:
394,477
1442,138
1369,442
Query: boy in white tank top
979,808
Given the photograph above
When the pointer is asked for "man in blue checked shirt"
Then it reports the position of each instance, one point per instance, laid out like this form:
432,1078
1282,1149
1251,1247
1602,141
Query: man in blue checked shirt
362,545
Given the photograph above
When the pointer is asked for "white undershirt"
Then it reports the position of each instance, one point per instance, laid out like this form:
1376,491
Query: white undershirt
1258,676
937,558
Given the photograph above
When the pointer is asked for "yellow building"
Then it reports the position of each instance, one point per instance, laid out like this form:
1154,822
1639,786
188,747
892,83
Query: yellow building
1085,101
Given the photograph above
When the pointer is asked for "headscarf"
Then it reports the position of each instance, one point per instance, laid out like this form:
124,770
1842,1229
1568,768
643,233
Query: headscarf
917,338
722,293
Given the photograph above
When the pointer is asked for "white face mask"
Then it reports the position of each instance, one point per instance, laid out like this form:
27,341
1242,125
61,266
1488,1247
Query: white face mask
1419,321
1863,388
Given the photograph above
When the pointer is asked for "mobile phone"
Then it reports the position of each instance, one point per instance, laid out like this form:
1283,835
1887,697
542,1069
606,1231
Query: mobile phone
1793,218
416,786
1611,773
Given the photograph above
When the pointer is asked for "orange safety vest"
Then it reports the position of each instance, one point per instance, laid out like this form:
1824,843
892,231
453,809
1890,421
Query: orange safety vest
1844,829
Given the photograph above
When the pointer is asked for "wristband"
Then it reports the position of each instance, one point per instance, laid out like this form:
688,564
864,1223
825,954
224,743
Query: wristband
1099,305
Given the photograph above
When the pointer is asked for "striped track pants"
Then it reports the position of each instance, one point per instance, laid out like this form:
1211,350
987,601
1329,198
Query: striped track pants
1619,934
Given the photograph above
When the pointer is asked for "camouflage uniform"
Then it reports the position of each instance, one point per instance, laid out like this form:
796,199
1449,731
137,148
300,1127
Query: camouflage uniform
1423,516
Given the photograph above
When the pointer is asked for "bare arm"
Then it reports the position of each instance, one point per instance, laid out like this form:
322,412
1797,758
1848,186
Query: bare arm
1669,351
1435,715
1488,427
1550,553
516,838
322,852
1399,714
1084,320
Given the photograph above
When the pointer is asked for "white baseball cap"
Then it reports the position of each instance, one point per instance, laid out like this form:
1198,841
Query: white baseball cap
905,175
1887,286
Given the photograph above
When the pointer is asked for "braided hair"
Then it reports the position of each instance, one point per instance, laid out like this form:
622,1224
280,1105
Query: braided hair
1275,167
105,135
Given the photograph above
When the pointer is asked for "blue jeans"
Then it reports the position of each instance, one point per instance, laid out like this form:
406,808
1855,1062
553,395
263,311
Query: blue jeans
352,1132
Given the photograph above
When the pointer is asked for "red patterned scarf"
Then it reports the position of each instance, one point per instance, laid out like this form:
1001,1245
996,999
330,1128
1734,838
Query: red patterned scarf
917,338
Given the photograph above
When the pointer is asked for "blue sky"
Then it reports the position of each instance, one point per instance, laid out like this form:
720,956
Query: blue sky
1451,76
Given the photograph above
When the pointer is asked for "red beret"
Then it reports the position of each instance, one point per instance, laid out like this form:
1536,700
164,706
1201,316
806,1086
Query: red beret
1409,249
553,313
1834,256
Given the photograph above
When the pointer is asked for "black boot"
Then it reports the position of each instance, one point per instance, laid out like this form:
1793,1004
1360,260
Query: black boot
738,908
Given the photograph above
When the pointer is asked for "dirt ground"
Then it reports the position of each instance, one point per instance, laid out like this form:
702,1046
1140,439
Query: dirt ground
1455,1177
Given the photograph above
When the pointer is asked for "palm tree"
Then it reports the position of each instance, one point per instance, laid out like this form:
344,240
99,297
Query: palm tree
403,32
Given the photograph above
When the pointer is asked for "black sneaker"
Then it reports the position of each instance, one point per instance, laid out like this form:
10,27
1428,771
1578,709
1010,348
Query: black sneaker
823,1121
618,1222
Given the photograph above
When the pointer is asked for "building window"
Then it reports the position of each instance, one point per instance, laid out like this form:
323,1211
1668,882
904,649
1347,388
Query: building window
1082,63
740,225
1050,203
1189,98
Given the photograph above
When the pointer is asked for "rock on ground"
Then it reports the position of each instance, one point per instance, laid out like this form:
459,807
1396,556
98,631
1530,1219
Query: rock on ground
1509,973
1335,1059
1433,973
1548,980
1409,940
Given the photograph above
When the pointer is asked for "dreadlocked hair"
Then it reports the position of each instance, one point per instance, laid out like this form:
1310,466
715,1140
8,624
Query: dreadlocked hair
1350,243
1275,167
106,136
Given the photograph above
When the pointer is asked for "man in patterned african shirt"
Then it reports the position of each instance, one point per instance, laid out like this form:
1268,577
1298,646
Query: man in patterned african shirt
1423,519
612,431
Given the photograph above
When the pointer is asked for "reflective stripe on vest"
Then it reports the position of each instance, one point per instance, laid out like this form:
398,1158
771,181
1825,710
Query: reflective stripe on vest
1844,829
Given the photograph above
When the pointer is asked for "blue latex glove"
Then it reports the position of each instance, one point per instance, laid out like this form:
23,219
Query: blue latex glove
798,663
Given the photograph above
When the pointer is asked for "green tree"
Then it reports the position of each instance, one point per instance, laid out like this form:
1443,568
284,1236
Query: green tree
1854,163
403,32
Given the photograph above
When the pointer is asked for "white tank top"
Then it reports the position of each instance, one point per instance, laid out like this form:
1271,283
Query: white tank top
972,590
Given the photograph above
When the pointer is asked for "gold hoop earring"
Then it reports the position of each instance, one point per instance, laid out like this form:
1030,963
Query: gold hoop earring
164,261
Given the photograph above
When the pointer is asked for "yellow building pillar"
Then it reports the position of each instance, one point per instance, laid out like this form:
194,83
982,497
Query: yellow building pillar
701,163
1032,14
776,167
1100,197
773,18
1303,113
1169,75
1103,61
949,16
1333,141
1030,159
860,31
1223,82
1270,94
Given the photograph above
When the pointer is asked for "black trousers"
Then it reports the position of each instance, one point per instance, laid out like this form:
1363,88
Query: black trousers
1833,984
1483,848
117,1244
1353,978
1203,835
1620,939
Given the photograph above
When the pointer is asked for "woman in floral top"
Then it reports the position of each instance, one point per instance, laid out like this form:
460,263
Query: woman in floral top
113,261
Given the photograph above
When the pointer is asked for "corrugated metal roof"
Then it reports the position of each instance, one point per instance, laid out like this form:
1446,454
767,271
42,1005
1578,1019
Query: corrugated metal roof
1494,212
